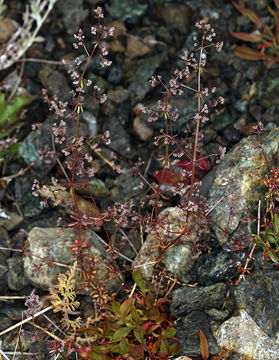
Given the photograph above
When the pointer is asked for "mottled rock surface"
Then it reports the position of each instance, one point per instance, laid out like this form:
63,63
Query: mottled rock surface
46,248
239,184
242,335
178,259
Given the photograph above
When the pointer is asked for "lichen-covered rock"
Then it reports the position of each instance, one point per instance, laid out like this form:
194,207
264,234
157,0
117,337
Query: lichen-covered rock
204,298
239,183
242,335
172,223
258,295
46,248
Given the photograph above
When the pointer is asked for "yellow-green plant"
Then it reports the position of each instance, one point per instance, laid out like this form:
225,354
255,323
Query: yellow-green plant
9,121
63,296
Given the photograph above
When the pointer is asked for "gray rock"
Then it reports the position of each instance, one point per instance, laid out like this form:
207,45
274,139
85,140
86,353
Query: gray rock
11,220
242,335
55,82
178,259
220,266
120,139
181,14
73,13
3,274
258,295
187,333
35,145
239,184
187,299
127,9
45,245
16,279
92,123
142,69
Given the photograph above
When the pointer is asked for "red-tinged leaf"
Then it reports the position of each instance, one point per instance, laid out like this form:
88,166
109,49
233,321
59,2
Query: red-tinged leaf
204,165
265,45
153,314
249,13
168,177
185,164
247,53
147,325
203,346
276,2
84,352
149,300
137,352
247,37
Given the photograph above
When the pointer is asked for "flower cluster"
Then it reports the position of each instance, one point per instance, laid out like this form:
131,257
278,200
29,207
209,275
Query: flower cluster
272,184
33,304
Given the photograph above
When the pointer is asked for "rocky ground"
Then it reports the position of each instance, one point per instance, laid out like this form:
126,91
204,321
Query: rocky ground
150,37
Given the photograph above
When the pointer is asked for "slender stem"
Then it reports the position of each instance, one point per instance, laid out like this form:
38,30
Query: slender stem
198,124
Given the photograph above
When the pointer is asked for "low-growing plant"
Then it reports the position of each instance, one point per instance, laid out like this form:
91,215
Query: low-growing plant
138,328
266,35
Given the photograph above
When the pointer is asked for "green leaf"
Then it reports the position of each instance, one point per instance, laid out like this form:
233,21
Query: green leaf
136,317
276,223
137,277
10,150
115,348
115,307
155,347
95,356
271,238
124,346
106,328
247,37
138,336
120,333
273,256
170,332
2,103
164,346
125,307
11,109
